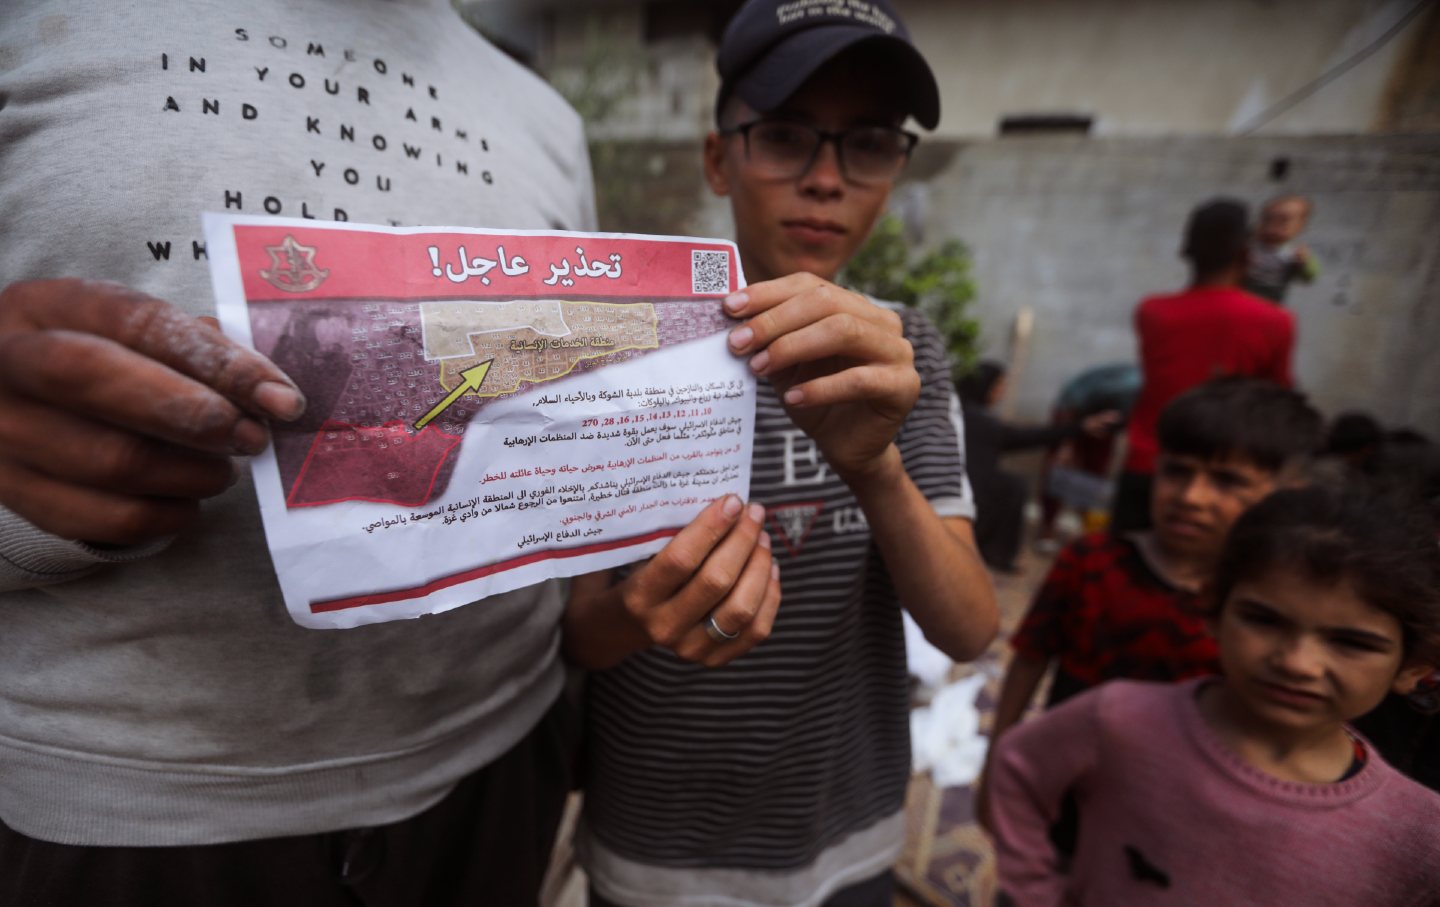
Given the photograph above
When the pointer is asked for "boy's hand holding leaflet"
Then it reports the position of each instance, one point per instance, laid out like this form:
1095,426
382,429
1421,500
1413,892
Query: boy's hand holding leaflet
709,596
841,363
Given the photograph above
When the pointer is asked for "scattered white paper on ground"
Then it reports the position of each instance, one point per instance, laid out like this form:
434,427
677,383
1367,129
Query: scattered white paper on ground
945,735
486,409
925,661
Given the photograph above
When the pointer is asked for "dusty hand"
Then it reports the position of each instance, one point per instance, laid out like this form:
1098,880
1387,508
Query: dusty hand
842,365
119,413
717,568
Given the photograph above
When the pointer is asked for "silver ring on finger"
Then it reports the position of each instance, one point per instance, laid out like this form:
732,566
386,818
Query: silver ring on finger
713,630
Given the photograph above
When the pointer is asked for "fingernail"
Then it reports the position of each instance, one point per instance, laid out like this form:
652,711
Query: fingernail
735,302
731,506
760,361
740,338
234,474
757,512
249,437
765,541
774,569
794,395
279,400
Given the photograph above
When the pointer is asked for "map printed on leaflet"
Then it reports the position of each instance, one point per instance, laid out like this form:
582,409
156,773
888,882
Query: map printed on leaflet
486,410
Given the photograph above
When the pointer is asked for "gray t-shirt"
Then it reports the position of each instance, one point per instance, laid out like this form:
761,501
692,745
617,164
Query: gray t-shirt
163,695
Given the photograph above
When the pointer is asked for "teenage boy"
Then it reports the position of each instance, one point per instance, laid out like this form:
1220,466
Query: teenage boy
1275,259
1212,328
780,778
1129,606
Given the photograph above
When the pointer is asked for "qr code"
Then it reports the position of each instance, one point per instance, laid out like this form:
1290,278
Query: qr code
709,272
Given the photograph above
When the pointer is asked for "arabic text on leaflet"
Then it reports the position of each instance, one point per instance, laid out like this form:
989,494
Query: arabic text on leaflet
487,409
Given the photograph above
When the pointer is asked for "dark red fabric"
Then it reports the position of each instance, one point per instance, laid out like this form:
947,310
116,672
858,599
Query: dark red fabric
1190,337
1103,614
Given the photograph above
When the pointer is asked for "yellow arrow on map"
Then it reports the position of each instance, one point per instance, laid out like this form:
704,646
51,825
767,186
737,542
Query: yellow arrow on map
470,380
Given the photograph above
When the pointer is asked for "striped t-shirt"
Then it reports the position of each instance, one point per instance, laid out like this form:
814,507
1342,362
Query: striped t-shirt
801,746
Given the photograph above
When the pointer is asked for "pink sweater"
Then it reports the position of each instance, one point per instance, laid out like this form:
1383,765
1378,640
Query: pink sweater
1168,816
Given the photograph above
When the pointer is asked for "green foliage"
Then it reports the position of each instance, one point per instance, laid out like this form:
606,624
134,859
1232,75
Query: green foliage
937,282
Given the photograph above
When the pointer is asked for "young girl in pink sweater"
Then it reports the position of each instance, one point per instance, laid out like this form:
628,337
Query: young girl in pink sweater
1249,788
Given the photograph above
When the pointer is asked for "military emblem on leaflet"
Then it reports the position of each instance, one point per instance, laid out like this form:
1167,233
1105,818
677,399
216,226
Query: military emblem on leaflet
292,267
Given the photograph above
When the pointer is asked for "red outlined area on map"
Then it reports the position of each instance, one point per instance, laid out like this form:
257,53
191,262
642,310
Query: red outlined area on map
386,457
474,573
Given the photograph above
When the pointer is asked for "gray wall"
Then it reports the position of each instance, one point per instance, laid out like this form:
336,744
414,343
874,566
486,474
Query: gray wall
1139,67
1080,229
1159,67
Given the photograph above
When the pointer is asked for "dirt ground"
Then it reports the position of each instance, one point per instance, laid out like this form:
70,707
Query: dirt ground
947,860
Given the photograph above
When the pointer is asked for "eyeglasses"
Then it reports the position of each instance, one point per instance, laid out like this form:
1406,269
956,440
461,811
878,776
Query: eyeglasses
787,149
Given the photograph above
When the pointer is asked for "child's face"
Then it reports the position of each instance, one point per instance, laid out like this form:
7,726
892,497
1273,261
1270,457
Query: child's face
1282,221
1194,501
1301,656
814,222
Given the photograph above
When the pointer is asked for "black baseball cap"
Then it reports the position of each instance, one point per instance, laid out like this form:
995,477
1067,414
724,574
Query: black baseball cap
772,46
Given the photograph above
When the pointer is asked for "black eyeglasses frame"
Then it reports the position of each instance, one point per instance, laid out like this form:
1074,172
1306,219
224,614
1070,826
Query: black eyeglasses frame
829,137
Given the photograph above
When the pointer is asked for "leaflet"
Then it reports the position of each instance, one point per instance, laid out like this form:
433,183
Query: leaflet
486,409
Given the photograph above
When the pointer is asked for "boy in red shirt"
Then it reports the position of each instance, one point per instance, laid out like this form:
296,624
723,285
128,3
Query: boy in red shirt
1129,606
1213,328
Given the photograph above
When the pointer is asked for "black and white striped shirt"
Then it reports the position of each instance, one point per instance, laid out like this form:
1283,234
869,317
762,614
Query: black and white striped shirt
769,761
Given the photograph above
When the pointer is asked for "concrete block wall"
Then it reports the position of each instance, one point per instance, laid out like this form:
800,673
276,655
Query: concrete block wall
1080,229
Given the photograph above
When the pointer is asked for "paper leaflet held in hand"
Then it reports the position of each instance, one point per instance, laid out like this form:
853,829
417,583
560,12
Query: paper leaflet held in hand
486,410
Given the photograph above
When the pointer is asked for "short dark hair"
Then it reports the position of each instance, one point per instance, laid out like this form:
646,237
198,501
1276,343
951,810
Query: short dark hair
1260,421
1382,545
1353,433
975,385
1411,467
1217,234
